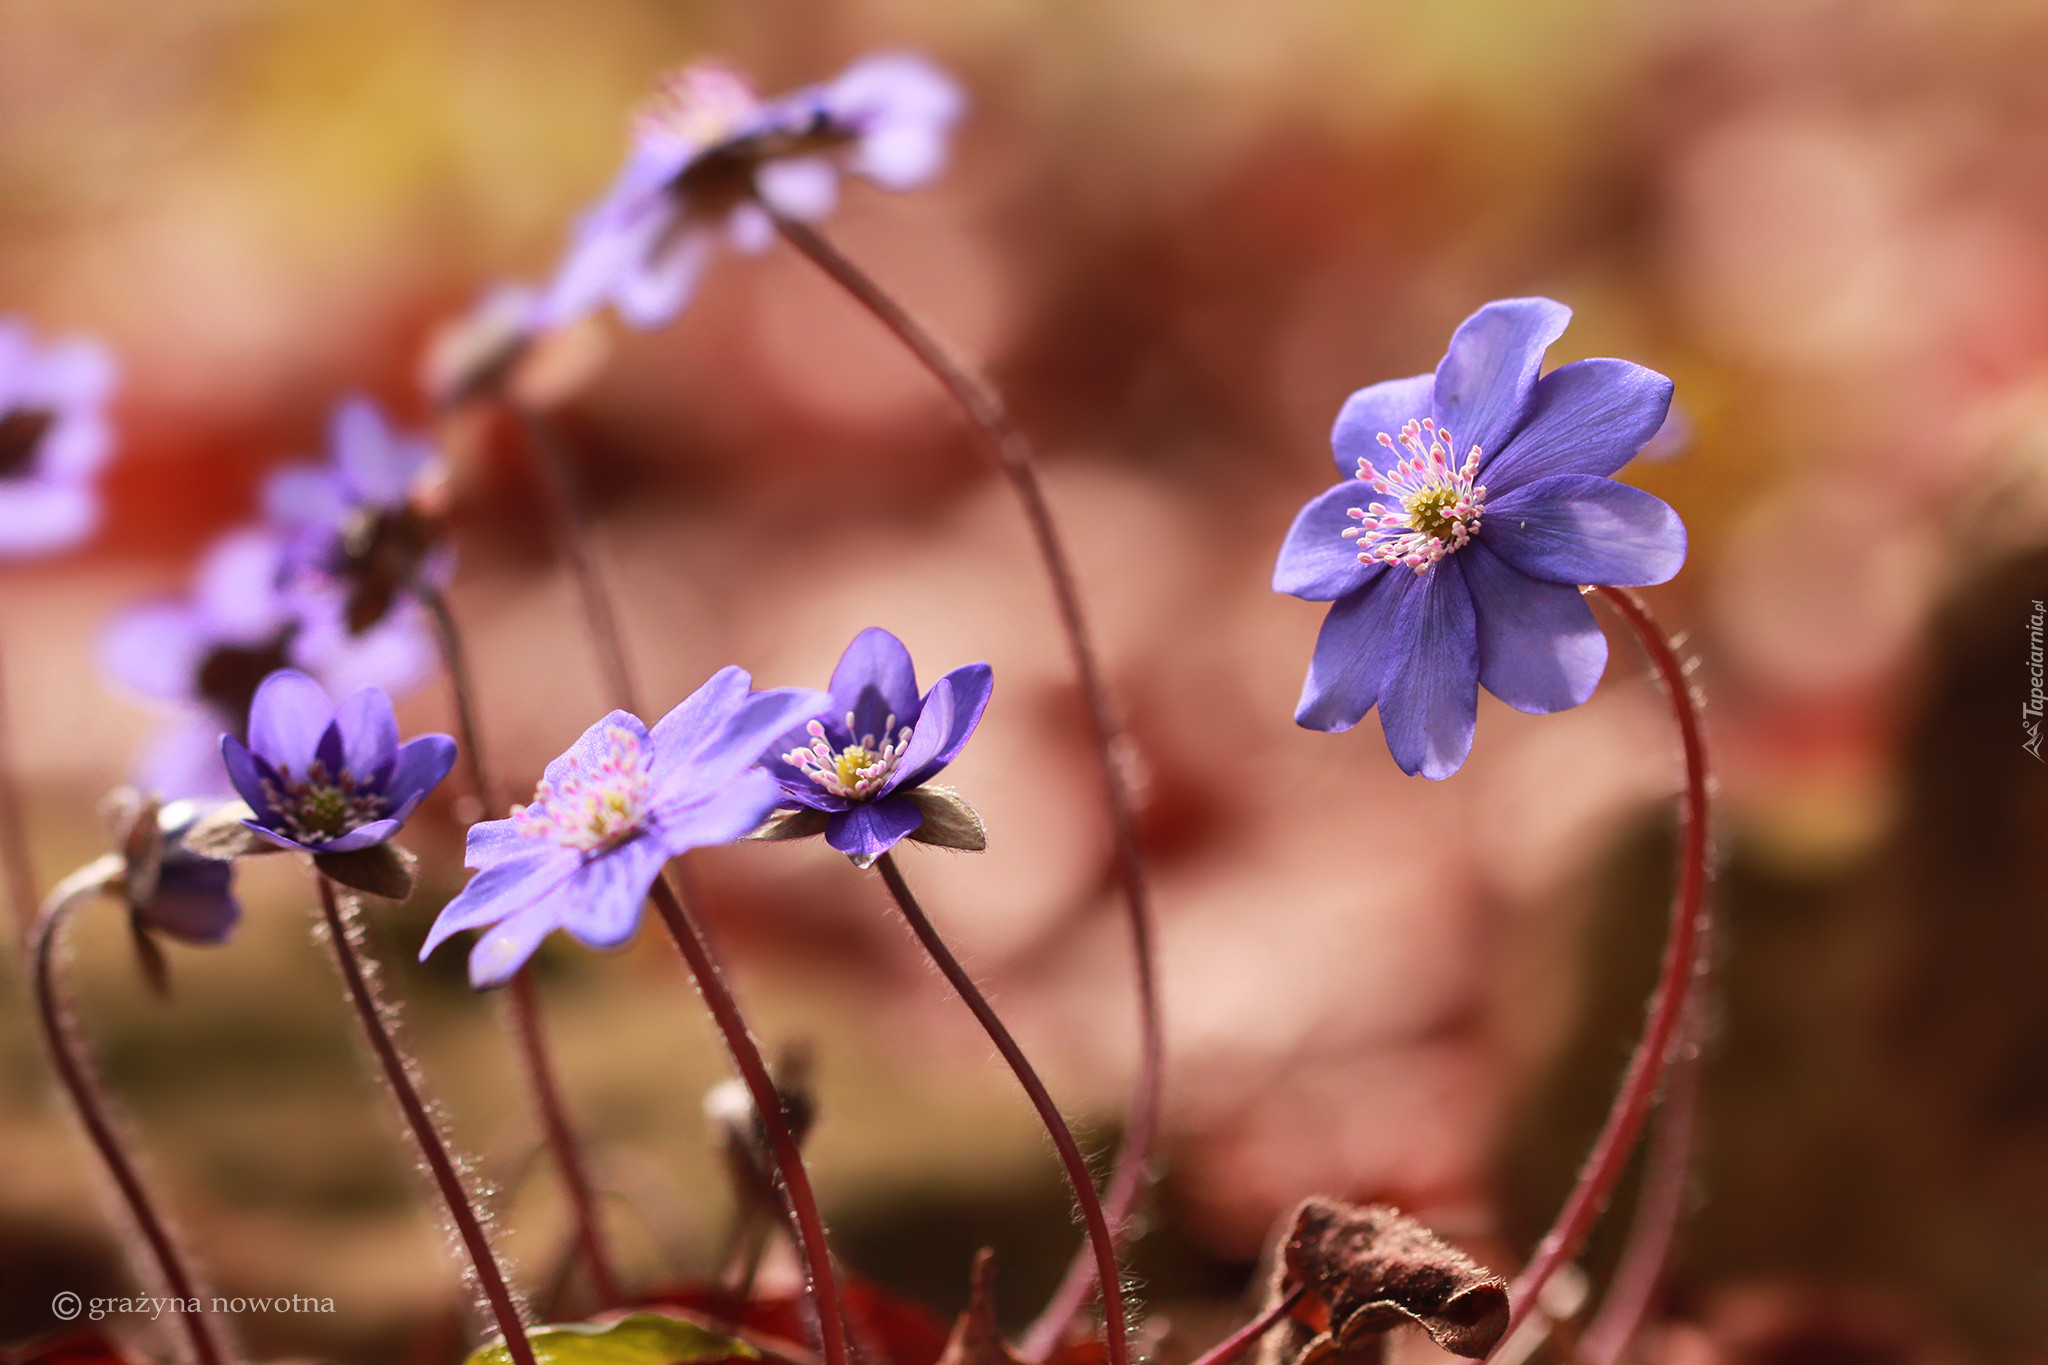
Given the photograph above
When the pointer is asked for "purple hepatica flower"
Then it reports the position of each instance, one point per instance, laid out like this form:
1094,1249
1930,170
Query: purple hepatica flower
711,161
325,779
1465,569
359,526
610,813
859,768
54,437
207,655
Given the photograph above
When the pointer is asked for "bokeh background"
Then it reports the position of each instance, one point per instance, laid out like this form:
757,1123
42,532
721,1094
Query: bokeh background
1178,234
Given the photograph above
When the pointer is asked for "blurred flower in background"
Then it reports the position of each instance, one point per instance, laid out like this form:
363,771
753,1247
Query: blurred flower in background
54,437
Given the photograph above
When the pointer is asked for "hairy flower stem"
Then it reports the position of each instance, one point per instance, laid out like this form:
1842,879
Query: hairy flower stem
14,852
79,1083
812,1251
525,999
986,412
1242,1340
398,1072
1116,1338
565,507
1658,1206
1611,1150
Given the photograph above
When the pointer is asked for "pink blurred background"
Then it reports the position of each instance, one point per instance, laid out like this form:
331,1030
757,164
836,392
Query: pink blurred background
1177,235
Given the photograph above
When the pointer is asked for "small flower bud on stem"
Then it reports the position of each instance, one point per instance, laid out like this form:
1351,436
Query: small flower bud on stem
76,1076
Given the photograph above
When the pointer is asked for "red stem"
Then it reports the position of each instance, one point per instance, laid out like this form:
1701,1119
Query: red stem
1646,1068
811,1247
78,1082
1115,1337
1235,1345
396,1070
985,411
533,1047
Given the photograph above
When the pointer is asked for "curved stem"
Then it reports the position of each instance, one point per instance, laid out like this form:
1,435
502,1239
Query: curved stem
985,411
397,1071
1658,1207
533,1048
76,1076
14,850
1115,1337
600,619
1240,1341
1646,1068
746,1055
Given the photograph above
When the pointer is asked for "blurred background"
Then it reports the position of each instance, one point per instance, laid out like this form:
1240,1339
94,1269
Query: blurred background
1178,234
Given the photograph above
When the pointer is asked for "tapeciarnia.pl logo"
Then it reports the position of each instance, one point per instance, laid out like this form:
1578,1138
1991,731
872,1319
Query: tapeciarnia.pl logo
2037,700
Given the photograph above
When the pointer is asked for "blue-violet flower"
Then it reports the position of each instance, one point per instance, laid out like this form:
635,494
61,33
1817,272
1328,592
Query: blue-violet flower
860,765
207,655
325,779
711,161
1463,569
54,436
607,816
360,525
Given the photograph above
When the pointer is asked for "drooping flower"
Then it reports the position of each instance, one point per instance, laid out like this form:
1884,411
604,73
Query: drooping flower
711,161
54,437
328,779
206,656
362,525
169,888
610,813
1477,500
857,773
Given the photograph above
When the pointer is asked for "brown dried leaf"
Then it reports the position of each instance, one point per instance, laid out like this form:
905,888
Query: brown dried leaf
976,1339
381,869
949,822
1370,1269
800,823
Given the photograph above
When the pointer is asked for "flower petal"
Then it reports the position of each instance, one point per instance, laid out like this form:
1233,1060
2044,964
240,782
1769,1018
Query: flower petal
287,718
806,189
362,836
500,953
369,733
1539,648
1484,382
971,686
723,728
866,832
155,650
1589,417
1316,563
1429,702
245,770
38,518
1575,528
653,291
733,812
503,889
602,900
594,744
421,763
1353,652
1384,407
875,679
934,728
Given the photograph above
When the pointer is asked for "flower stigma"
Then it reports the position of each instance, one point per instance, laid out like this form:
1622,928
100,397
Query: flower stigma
597,805
317,808
1437,507
858,771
